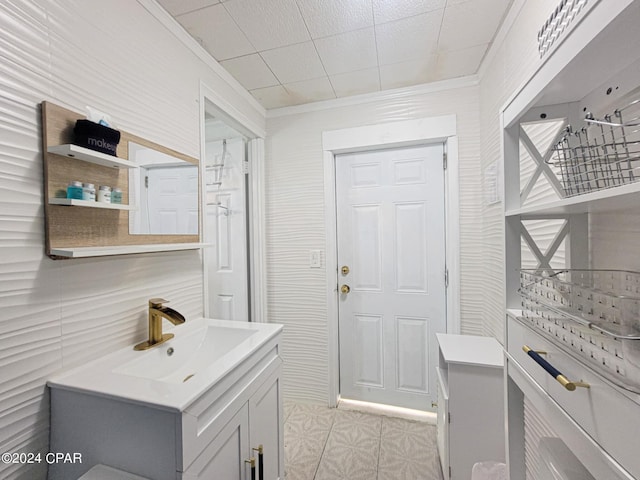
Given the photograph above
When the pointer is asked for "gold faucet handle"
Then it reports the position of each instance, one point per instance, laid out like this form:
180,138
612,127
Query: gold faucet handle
157,302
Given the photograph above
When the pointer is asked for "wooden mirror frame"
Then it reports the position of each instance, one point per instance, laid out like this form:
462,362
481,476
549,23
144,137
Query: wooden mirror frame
73,227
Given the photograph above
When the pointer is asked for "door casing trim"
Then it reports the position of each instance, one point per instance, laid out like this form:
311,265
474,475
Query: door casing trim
422,131
256,245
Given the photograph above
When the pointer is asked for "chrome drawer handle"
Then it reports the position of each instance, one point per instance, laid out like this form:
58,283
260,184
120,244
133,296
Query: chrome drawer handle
554,372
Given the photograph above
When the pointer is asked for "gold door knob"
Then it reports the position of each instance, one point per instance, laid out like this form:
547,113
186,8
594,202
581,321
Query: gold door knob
345,288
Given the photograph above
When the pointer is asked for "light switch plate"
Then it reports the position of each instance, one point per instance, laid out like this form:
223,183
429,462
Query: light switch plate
315,258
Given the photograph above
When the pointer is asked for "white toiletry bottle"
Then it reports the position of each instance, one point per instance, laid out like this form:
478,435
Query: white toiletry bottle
104,194
88,192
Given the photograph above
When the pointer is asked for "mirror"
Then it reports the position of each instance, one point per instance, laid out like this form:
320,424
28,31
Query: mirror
164,190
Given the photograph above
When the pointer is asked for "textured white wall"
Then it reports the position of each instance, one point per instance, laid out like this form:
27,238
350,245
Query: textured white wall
295,199
512,62
296,221
55,314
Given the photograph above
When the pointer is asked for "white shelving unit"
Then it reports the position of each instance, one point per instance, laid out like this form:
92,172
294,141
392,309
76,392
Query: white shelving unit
84,252
71,202
625,197
591,69
91,156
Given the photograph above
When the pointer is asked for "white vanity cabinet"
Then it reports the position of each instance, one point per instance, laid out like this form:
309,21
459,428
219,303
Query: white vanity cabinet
209,436
470,421
257,422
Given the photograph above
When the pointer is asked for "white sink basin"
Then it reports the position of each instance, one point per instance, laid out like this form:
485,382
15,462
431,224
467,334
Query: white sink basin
180,359
175,373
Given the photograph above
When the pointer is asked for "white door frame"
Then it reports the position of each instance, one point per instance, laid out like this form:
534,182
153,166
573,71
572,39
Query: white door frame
407,133
255,205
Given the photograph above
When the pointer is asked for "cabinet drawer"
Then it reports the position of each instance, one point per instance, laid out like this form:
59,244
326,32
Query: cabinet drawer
608,414
203,419
224,457
517,336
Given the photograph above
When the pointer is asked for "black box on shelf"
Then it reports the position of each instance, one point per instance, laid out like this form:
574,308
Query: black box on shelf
97,137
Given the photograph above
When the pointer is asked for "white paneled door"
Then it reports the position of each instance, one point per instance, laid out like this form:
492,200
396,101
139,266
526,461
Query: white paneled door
391,271
172,202
226,230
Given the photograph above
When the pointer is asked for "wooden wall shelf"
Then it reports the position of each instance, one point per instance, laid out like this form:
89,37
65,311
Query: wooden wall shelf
84,252
94,229
72,202
87,155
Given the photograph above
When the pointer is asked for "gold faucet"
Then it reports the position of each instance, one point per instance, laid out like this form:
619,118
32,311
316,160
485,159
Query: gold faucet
157,311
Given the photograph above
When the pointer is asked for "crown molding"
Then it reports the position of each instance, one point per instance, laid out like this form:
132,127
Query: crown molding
499,37
171,24
425,88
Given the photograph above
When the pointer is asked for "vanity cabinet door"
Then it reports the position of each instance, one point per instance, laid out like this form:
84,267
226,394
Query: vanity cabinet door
266,426
224,458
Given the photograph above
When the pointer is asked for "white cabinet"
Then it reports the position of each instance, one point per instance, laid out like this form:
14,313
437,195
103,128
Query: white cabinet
226,454
258,422
470,403
209,438
266,426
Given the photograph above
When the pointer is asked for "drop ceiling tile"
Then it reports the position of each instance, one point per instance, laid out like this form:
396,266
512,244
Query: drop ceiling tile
408,73
178,7
471,23
385,11
354,83
310,90
457,63
348,52
272,97
217,31
409,38
269,23
250,71
330,17
294,62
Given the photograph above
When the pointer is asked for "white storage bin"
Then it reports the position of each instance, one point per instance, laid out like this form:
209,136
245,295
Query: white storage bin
489,471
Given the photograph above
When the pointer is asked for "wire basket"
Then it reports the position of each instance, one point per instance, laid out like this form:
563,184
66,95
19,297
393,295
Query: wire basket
604,153
593,314
605,298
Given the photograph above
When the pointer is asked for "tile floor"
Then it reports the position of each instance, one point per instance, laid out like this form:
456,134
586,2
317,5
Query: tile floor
331,444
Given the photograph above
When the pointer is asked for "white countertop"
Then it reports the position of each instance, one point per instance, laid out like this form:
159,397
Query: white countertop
471,350
100,376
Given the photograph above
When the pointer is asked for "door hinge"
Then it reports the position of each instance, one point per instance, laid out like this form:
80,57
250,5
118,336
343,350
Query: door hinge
146,181
245,167
446,277
444,160
449,471
449,417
